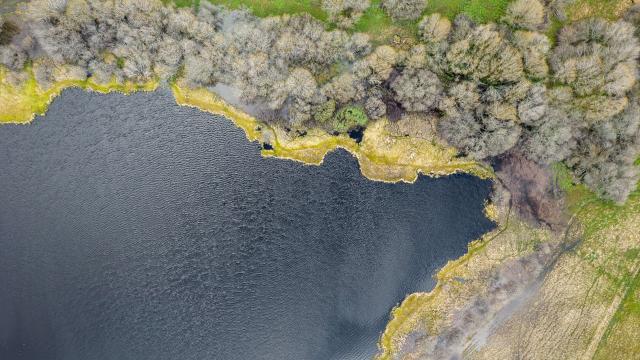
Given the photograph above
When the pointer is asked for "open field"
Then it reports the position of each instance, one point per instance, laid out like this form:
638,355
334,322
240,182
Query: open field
374,18
581,302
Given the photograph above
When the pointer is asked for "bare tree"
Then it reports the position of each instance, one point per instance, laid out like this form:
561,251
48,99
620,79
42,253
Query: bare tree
525,14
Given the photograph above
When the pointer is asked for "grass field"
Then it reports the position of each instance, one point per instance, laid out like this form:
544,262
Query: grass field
622,338
375,21
276,7
608,9
478,10
374,18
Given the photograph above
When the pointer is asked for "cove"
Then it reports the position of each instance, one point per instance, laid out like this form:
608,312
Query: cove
133,228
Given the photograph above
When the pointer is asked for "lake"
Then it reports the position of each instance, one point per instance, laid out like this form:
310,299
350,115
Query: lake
133,228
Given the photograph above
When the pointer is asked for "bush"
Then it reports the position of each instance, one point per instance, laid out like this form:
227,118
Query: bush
325,112
535,50
349,118
479,135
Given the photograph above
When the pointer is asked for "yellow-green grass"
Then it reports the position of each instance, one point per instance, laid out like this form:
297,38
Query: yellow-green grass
183,3
622,338
429,311
19,104
608,9
609,248
382,156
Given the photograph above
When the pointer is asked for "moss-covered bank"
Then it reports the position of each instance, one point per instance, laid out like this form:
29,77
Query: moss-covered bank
22,99
383,156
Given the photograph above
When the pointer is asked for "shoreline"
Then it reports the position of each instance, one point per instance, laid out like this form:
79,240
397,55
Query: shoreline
381,155
397,160
28,99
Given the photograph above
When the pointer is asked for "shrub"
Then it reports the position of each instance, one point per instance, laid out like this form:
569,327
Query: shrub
535,48
375,107
349,118
325,111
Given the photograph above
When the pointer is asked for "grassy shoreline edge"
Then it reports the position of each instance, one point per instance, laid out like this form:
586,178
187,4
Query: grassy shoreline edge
382,157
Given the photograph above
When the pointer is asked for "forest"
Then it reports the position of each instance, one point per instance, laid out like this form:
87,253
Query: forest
518,85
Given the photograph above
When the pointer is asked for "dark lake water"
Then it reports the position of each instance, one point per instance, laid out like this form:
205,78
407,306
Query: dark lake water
132,228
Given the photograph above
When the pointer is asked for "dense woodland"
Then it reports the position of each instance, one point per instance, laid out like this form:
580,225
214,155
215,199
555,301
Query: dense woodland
505,87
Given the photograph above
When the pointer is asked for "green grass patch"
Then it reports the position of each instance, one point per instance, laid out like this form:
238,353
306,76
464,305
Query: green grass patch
619,341
631,254
448,8
374,20
265,8
595,213
382,28
349,118
479,10
183,3
554,29
562,176
607,9
485,10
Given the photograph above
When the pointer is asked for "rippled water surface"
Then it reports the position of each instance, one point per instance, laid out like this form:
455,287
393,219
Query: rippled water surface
132,228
